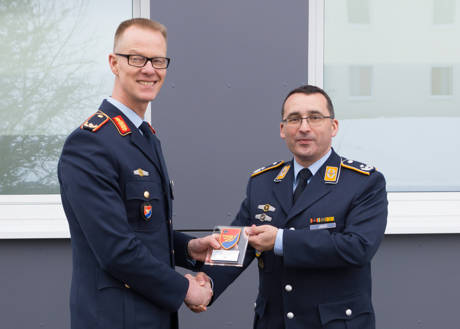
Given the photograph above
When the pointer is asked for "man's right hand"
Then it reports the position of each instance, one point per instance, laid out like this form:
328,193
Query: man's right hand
198,294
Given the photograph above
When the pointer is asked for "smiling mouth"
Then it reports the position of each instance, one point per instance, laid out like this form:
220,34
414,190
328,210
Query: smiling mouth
147,83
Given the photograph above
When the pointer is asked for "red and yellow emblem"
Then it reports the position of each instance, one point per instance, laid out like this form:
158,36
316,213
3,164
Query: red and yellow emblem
331,174
229,237
121,125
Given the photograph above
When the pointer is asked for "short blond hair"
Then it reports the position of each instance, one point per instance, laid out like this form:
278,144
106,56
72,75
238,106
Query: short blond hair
140,22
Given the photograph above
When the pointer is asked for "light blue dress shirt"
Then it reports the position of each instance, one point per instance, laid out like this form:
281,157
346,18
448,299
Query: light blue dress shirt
130,114
278,248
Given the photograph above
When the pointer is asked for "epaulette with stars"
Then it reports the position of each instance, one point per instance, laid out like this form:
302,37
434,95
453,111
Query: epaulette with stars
98,119
357,166
267,168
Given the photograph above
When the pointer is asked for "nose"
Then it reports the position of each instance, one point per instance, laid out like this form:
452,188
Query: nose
304,125
148,67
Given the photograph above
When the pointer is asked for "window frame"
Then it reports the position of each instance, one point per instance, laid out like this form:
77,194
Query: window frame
408,212
41,216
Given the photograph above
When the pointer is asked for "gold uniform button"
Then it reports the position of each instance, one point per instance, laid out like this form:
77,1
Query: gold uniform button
146,194
127,286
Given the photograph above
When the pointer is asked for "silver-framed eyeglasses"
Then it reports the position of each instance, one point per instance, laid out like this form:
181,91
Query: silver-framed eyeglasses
140,61
313,120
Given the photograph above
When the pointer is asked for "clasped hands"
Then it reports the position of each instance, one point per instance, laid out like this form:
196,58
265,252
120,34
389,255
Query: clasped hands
199,293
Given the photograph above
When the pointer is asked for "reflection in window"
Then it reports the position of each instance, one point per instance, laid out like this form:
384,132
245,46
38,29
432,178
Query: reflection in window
443,11
360,81
358,11
53,74
441,81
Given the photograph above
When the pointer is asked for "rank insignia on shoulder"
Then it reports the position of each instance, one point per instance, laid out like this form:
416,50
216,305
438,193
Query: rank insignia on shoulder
283,172
357,166
95,122
267,168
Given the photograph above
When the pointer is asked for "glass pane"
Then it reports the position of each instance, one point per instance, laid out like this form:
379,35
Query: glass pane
443,11
395,89
53,74
358,11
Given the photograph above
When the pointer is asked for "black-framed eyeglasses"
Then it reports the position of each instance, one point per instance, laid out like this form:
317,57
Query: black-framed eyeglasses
140,61
313,120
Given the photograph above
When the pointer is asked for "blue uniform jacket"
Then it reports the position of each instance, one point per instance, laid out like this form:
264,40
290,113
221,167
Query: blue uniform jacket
123,265
323,279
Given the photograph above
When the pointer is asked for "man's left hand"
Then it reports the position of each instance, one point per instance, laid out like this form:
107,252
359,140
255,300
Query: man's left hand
262,237
199,248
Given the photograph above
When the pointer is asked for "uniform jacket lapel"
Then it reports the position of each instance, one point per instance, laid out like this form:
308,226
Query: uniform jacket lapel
283,190
136,138
315,190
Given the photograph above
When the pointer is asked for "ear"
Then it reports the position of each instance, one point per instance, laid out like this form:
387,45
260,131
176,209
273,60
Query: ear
282,134
113,62
334,127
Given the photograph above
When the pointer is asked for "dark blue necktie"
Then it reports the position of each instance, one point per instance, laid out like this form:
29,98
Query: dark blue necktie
302,177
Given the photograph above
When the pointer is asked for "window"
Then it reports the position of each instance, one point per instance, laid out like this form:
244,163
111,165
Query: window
408,128
441,81
53,74
443,12
360,81
358,11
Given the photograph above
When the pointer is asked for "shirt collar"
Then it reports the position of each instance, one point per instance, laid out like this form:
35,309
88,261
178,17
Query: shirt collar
313,167
130,114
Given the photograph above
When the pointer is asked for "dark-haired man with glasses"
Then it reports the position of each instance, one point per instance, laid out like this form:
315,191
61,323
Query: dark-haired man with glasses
315,223
117,197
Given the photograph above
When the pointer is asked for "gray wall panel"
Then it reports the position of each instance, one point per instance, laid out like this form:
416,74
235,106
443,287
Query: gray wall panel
219,111
415,282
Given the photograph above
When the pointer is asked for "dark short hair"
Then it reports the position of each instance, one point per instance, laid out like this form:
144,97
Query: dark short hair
139,22
309,90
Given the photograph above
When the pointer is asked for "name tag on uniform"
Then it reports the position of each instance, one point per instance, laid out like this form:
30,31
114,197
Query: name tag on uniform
322,226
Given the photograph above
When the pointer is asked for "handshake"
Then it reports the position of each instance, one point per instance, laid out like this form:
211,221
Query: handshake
199,294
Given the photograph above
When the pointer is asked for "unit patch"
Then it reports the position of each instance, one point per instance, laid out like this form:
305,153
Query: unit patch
229,237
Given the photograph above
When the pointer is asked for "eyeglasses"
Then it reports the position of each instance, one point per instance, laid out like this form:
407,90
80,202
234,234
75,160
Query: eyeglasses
313,120
140,61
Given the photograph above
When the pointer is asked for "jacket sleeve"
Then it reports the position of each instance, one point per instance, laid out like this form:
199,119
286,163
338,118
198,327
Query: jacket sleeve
223,276
355,245
90,192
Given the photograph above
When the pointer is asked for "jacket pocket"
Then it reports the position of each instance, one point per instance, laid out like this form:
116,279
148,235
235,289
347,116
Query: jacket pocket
352,313
145,204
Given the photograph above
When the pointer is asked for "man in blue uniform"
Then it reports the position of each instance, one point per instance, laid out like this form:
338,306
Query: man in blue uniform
117,198
315,224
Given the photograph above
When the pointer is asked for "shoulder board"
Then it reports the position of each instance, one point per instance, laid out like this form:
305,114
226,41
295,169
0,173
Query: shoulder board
95,122
357,166
267,168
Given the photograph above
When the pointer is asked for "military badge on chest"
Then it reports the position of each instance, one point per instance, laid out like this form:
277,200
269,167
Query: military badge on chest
266,208
146,207
320,223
